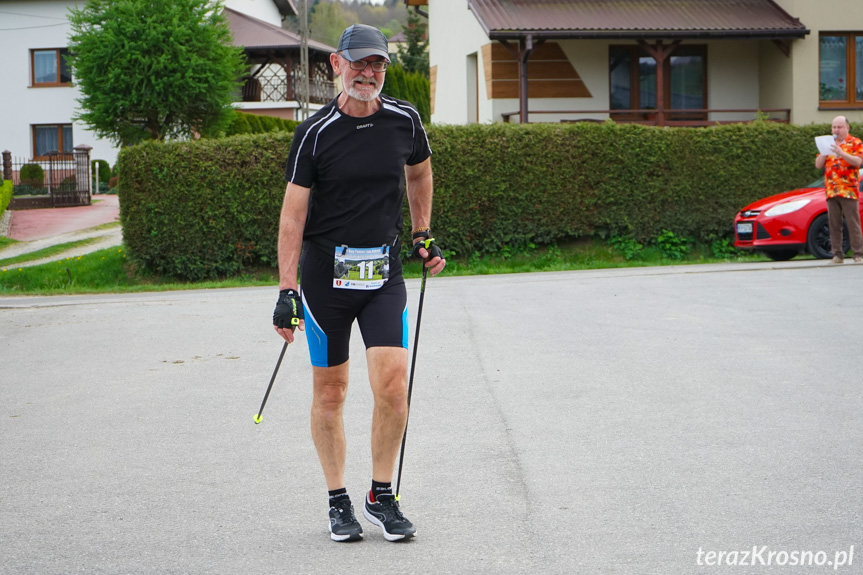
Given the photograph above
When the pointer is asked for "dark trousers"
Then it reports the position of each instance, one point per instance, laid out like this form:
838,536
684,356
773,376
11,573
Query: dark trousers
837,208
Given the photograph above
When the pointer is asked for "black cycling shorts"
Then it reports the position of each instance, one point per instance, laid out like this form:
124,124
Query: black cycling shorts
330,312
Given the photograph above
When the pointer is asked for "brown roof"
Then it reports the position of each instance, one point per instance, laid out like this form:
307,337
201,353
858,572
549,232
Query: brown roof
253,34
502,19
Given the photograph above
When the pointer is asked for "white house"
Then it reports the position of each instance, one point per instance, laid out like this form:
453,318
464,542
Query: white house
38,101
799,61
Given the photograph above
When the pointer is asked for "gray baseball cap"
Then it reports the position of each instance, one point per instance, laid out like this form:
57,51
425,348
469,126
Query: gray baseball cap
360,41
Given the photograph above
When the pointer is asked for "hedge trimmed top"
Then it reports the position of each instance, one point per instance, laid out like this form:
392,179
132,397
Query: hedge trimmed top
210,208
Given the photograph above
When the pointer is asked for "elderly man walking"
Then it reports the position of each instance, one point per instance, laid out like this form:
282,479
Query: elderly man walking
350,166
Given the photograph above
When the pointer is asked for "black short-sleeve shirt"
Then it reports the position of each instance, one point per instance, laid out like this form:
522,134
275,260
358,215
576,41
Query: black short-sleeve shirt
355,170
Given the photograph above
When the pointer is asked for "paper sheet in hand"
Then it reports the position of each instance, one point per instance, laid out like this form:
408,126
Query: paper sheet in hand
825,144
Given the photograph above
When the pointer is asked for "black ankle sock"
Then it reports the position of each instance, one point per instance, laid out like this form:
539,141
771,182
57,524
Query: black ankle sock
379,488
337,495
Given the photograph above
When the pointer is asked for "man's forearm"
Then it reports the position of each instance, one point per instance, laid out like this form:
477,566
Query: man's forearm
289,258
419,183
291,223
820,161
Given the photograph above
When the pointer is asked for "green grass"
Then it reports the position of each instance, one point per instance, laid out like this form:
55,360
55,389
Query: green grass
4,241
46,252
580,255
108,271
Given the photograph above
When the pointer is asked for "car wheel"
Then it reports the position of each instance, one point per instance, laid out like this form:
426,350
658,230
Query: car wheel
818,238
781,255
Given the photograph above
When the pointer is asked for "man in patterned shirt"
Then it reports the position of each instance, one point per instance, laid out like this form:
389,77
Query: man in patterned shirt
842,186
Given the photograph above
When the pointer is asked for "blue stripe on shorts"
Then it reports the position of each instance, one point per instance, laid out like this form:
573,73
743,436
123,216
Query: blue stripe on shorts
405,327
316,339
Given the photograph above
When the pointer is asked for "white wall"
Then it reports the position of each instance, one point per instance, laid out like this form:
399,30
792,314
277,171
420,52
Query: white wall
775,77
265,10
732,77
453,34
23,26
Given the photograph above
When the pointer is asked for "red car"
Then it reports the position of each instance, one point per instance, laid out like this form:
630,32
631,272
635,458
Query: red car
787,224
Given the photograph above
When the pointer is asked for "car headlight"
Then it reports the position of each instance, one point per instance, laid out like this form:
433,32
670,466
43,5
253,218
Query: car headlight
786,208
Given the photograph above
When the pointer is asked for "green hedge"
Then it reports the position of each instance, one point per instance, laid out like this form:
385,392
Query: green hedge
245,123
210,208
32,175
410,86
203,209
104,170
510,185
5,195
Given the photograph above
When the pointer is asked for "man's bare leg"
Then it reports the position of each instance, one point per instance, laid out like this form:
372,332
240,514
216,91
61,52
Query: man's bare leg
388,379
328,432
387,375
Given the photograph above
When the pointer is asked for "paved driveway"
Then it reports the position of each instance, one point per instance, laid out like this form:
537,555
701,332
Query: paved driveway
615,421
38,229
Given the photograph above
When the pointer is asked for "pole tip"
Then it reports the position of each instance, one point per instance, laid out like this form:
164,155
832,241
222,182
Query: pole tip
258,418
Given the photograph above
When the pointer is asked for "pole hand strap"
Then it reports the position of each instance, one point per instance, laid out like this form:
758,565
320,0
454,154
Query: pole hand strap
426,242
289,309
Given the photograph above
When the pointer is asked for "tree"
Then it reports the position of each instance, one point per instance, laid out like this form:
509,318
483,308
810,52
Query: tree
328,18
154,69
328,21
414,57
410,86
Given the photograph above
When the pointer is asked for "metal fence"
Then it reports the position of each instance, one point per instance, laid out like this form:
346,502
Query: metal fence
62,180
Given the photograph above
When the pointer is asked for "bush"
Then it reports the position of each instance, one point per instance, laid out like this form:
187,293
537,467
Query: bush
673,246
25,190
69,184
32,175
509,185
244,123
203,209
5,195
411,86
211,208
625,246
104,170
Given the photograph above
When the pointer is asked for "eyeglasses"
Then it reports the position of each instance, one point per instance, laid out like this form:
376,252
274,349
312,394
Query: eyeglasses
377,65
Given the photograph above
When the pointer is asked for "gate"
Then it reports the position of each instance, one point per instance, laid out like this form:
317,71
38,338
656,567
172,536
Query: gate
64,181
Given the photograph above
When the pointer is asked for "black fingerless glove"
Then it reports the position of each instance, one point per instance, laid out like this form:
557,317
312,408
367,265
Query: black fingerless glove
427,243
289,309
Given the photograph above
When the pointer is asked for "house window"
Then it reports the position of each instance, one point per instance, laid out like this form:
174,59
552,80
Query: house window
51,138
632,74
841,69
50,67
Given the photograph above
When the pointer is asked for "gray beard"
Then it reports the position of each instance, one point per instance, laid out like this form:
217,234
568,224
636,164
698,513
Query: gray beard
362,96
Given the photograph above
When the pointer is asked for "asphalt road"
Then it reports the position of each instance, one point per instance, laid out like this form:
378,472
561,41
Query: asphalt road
620,421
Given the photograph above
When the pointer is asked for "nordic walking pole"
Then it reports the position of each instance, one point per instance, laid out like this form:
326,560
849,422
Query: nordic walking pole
411,379
269,387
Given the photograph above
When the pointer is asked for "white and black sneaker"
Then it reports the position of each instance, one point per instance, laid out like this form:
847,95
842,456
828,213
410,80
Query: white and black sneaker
343,523
385,513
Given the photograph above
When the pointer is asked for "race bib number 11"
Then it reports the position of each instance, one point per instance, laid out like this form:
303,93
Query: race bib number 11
361,268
